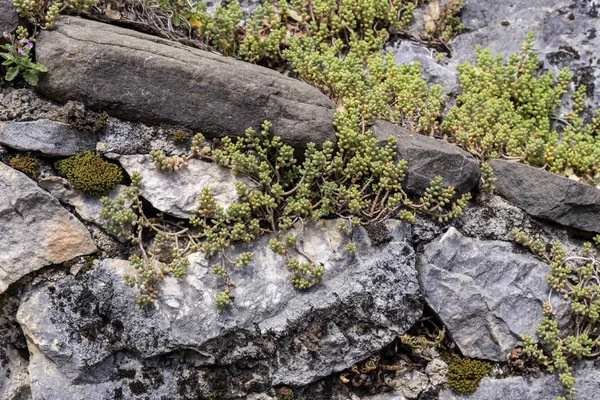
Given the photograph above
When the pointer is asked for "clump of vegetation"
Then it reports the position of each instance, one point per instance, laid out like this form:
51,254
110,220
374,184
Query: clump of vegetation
360,184
17,57
505,110
464,374
90,173
575,278
25,163
42,14
180,137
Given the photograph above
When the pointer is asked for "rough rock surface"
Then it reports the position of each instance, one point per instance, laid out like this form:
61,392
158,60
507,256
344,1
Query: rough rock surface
487,293
36,230
163,82
176,193
587,384
88,339
549,196
428,157
48,137
87,207
9,19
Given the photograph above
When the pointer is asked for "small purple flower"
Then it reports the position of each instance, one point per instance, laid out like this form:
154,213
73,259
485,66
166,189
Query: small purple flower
21,52
29,44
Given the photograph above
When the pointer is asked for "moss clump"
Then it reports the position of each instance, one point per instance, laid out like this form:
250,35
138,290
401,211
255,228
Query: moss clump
26,164
180,137
89,173
464,374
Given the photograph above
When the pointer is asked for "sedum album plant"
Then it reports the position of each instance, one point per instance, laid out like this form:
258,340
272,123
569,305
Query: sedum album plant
359,184
575,278
506,110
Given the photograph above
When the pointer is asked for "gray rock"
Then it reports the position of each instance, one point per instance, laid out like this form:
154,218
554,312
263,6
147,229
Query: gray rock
487,293
437,369
587,384
86,328
428,157
176,193
87,207
411,384
14,382
9,19
138,77
434,73
36,230
549,196
247,6
48,137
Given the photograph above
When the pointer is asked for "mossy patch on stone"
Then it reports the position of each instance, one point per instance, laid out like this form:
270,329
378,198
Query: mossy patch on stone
90,174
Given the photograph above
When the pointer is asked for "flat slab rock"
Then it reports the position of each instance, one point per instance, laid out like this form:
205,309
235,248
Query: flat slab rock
85,331
36,230
587,384
139,77
428,157
487,293
549,196
176,193
48,137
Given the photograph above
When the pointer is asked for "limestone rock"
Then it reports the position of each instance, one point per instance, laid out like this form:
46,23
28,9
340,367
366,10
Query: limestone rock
86,206
437,369
549,196
14,376
176,193
487,293
9,19
428,157
88,339
411,384
138,77
48,137
36,230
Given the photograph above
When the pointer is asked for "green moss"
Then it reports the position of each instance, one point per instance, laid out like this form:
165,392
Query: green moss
89,173
26,164
464,374
180,137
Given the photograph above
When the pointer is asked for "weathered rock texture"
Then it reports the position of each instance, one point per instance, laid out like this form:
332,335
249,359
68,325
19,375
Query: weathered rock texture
36,230
140,77
85,331
548,196
86,206
428,157
486,292
9,20
47,137
176,193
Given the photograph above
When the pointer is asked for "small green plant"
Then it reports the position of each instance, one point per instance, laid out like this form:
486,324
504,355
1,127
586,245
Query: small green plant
360,184
26,164
575,278
17,57
506,110
464,374
43,14
89,173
